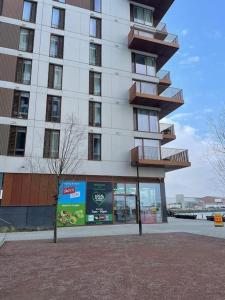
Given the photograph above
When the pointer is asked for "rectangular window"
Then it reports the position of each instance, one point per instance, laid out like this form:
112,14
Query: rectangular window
26,40
23,71
149,149
94,147
95,83
51,143
142,64
144,87
141,15
56,46
95,54
146,120
20,105
58,18
96,5
1,6
55,77
17,141
95,28
95,114
29,11
53,109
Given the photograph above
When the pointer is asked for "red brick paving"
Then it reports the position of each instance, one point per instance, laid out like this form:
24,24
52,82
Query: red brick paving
159,266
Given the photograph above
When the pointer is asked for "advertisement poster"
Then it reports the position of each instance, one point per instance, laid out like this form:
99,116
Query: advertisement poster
71,204
99,206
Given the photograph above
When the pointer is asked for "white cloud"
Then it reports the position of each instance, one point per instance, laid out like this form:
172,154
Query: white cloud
184,32
198,180
190,60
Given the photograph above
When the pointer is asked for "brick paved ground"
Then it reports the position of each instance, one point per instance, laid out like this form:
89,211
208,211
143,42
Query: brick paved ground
158,266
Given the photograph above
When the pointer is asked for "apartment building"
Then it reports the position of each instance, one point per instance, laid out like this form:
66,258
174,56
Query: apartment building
102,62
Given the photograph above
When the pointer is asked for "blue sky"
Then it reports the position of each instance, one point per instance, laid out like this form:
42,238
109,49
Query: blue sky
198,68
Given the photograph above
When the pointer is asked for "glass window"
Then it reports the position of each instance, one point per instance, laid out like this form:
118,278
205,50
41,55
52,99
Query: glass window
95,54
95,83
58,18
150,198
95,114
145,65
94,146
55,77
53,109
146,120
56,46
95,27
96,5
27,72
51,143
142,15
17,140
148,149
29,11
23,71
20,104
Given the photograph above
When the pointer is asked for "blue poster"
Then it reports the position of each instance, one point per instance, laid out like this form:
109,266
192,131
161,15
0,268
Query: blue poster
71,204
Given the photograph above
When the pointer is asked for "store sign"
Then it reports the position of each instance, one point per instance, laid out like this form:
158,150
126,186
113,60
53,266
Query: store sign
71,204
99,206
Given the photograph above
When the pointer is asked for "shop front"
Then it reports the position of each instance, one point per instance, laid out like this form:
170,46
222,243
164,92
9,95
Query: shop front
98,203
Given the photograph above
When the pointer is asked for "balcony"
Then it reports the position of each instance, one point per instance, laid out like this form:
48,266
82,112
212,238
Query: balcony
158,42
160,6
168,132
170,159
164,80
146,94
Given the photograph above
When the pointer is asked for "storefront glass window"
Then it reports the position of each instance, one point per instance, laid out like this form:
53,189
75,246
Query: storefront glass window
119,189
150,203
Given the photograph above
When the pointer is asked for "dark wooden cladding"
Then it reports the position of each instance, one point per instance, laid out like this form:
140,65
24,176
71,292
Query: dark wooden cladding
86,4
12,9
9,36
40,189
6,100
7,67
4,138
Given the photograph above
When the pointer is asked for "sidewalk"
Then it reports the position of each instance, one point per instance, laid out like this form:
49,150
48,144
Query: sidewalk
205,228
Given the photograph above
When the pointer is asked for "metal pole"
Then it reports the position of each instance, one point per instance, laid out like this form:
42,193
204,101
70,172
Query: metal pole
139,202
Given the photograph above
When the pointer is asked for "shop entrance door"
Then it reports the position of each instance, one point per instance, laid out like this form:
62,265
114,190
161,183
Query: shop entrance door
125,209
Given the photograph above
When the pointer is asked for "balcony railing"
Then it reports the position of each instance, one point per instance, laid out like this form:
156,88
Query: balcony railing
162,36
163,75
160,157
167,129
162,27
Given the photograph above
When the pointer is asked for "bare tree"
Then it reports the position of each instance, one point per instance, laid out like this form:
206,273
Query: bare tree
63,162
217,147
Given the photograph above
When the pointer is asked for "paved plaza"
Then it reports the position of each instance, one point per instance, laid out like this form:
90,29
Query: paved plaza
170,266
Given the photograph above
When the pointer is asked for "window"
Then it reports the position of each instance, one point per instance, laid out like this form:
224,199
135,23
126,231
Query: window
94,147
29,11
55,77
141,15
148,149
58,18
95,28
56,46
53,109
51,143
96,5
1,6
144,87
146,120
17,141
95,114
20,105
145,65
95,54
23,71
26,40
95,83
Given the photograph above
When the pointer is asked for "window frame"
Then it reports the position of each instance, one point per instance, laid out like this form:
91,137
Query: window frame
33,13
98,58
51,118
14,130
48,143
134,64
30,44
93,6
60,51
98,28
62,14
51,86
92,83
135,117
15,113
92,115
91,146
20,72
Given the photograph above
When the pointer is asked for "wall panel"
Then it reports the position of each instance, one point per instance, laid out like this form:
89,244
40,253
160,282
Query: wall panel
9,36
13,9
6,100
8,67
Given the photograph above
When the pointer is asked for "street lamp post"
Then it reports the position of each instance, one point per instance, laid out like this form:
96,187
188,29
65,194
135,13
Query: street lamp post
139,202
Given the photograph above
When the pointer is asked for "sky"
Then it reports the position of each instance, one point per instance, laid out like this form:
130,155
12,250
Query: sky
198,68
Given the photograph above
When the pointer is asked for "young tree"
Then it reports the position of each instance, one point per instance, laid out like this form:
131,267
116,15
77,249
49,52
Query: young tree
65,162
